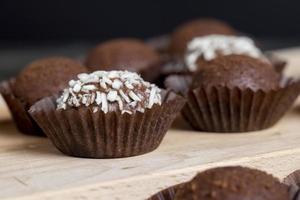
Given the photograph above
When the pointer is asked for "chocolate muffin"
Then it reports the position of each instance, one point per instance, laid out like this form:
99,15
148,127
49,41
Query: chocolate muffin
234,93
45,77
201,27
108,114
39,79
233,183
237,71
125,54
111,91
202,50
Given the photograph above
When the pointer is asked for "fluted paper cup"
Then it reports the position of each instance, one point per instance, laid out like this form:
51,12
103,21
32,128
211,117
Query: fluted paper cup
166,194
293,181
223,109
80,132
18,109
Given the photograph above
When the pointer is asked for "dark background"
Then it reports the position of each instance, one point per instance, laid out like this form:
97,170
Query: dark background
32,29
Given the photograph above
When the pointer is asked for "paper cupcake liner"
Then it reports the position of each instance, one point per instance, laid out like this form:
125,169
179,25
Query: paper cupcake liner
166,194
23,120
222,109
82,133
293,180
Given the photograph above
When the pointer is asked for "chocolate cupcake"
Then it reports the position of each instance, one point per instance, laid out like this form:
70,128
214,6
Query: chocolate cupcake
202,50
125,54
197,28
41,78
107,114
234,93
237,71
45,77
231,183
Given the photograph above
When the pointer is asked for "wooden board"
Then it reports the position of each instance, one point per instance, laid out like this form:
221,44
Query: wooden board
31,168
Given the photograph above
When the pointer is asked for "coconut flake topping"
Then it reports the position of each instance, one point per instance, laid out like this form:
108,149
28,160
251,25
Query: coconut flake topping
209,47
110,91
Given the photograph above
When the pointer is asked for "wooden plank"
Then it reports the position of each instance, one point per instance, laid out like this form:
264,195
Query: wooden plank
31,168
144,186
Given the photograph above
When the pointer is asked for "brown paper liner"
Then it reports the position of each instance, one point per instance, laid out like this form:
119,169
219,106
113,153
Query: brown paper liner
293,180
22,119
166,194
82,133
222,109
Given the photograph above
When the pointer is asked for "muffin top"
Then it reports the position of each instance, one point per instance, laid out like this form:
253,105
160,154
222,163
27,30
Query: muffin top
233,183
45,77
209,47
237,71
110,91
201,27
122,54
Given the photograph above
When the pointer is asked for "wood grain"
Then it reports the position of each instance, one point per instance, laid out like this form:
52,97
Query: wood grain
31,168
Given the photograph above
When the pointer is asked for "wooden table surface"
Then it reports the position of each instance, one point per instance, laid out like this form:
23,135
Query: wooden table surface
31,168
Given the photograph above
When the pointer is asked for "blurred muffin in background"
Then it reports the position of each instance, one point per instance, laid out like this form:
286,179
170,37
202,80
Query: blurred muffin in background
196,28
125,54
41,78
202,50
45,77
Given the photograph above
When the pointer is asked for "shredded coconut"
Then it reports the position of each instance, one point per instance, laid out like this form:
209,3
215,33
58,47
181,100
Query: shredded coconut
110,90
208,47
